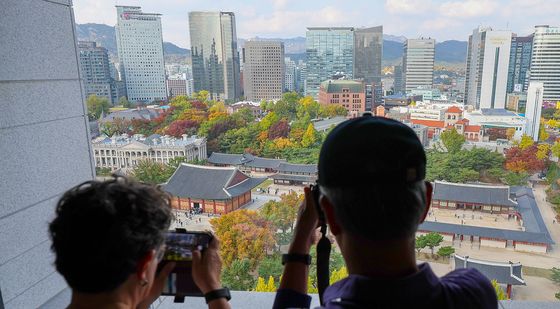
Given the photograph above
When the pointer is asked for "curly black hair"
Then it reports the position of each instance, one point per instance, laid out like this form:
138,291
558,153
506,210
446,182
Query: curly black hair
102,230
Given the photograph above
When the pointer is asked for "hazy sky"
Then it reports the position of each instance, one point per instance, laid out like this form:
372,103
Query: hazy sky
440,19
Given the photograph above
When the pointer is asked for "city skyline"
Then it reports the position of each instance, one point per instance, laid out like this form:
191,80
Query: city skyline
439,19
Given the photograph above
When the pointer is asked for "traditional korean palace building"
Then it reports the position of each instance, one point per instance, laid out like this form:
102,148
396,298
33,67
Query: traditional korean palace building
216,190
295,174
509,273
494,199
516,202
245,162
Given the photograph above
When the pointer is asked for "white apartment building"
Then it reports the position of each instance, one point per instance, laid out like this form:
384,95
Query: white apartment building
263,70
533,109
545,61
487,68
418,63
140,50
426,113
125,152
289,74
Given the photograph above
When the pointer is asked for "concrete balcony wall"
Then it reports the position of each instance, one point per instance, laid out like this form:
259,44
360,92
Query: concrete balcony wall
44,142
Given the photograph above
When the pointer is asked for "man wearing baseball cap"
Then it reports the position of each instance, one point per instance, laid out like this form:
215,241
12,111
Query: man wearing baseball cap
374,196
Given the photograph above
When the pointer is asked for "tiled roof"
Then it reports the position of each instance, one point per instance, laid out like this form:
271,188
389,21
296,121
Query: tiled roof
293,177
529,211
429,123
504,273
463,121
469,193
244,159
297,168
453,109
486,232
207,182
474,129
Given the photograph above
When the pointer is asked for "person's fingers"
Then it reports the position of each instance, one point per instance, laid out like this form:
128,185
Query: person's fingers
196,258
214,243
164,273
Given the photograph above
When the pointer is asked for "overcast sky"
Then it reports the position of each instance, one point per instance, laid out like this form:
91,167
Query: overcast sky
440,19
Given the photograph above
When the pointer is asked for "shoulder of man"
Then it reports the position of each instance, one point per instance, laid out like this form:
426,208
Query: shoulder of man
470,287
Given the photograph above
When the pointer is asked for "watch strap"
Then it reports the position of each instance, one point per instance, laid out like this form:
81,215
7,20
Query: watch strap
293,257
216,294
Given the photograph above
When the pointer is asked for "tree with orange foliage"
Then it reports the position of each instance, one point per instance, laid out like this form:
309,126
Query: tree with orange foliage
524,159
243,235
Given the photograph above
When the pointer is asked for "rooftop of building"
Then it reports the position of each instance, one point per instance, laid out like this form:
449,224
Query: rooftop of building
473,193
297,168
149,141
325,124
337,85
454,109
495,112
132,114
209,182
429,123
505,273
245,159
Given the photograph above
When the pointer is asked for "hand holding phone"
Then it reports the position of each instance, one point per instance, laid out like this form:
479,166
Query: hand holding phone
180,247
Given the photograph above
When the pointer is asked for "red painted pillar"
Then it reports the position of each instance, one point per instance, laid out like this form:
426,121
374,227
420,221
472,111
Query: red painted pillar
203,205
179,203
189,199
508,291
214,204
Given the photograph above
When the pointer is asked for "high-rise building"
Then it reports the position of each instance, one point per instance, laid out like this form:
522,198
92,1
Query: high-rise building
215,59
545,64
519,63
330,52
263,70
176,86
488,55
368,50
418,63
95,71
398,79
289,74
301,76
533,109
140,49
350,94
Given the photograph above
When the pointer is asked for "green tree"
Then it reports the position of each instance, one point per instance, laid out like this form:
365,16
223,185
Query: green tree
555,276
555,149
123,101
420,243
152,172
499,291
271,266
446,251
433,240
452,140
237,276
516,178
96,105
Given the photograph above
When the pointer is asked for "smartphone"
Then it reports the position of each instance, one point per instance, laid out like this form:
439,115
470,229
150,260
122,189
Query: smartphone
179,247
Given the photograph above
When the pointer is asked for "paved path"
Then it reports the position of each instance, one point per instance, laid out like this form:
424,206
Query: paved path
548,215
259,200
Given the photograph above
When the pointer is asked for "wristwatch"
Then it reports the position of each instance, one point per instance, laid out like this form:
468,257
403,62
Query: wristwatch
215,294
293,257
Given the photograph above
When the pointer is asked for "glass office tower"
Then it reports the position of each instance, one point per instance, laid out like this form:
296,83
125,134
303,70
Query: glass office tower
215,59
329,53
368,49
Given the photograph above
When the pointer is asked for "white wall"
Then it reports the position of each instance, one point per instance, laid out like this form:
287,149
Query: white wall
493,243
44,142
493,41
530,248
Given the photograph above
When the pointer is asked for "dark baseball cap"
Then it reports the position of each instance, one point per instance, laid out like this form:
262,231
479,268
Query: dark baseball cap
371,150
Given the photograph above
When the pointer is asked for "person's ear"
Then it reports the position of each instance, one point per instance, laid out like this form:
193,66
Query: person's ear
328,210
142,267
429,190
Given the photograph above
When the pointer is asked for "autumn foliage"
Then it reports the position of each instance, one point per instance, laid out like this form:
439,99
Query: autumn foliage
243,235
520,159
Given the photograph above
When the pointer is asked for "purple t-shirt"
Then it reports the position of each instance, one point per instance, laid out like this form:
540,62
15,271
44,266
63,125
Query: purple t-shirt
462,288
